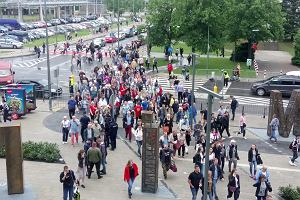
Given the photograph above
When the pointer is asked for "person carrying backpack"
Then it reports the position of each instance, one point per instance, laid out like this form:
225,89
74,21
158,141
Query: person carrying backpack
166,157
295,146
67,177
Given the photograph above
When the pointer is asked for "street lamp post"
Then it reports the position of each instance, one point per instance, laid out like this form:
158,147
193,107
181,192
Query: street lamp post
48,59
118,26
207,60
210,97
193,81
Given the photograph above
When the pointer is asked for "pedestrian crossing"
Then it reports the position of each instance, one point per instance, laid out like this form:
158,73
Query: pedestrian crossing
168,86
30,63
256,101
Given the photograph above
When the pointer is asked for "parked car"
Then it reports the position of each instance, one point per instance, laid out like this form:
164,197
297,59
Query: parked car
3,29
111,38
10,43
24,26
128,32
41,87
55,22
99,42
13,23
63,21
122,35
6,73
284,83
22,35
91,17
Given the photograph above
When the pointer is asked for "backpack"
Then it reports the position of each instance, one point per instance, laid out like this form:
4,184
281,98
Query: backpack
291,145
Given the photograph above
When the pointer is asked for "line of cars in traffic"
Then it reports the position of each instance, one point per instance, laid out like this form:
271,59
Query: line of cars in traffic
14,34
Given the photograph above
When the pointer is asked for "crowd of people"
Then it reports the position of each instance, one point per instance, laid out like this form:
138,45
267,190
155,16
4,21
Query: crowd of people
113,95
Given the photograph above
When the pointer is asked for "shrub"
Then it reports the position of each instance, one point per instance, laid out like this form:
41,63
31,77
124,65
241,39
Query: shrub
296,58
241,53
41,151
289,192
296,61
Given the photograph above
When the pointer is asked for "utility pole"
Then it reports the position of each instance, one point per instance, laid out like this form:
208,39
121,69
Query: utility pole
48,59
207,52
193,83
118,26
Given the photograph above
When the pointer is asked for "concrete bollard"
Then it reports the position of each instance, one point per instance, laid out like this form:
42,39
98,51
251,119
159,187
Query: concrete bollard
265,74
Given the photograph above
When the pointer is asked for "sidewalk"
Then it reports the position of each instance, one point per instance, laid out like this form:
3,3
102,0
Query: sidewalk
27,51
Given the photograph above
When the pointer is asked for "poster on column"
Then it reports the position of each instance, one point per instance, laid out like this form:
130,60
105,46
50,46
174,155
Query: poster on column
15,99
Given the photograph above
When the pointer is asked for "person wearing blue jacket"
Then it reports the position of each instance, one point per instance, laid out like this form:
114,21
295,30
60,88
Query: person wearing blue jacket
192,114
263,172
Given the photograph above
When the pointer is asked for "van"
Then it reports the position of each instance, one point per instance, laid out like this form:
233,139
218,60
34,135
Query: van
22,35
284,83
6,73
11,23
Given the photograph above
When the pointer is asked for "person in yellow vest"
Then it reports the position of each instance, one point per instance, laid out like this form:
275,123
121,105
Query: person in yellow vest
71,84
226,78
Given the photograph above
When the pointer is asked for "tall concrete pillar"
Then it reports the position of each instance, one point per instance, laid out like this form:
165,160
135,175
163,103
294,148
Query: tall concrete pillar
74,10
58,12
41,12
20,12
54,12
87,9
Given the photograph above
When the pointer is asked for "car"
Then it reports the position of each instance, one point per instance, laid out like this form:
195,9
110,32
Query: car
24,26
55,22
11,24
6,73
10,43
3,29
22,35
293,73
284,83
111,38
99,42
91,17
128,32
41,87
122,35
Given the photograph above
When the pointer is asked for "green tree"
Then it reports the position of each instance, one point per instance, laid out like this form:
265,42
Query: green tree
161,22
254,21
296,58
197,18
125,5
291,9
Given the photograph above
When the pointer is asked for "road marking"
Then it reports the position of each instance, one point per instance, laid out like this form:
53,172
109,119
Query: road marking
239,89
224,90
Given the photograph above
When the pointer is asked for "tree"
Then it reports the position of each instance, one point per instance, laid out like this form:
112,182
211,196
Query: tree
198,18
125,5
255,20
296,58
161,23
291,9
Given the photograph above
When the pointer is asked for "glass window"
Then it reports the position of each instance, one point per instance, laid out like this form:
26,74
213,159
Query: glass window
297,82
275,82
287,82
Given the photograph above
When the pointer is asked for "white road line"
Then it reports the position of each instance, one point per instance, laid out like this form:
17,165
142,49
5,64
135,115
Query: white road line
224,90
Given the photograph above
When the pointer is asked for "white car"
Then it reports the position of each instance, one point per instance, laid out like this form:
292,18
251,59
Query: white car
10,43
293,73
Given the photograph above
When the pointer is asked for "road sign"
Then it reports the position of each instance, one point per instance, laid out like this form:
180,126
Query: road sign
249,62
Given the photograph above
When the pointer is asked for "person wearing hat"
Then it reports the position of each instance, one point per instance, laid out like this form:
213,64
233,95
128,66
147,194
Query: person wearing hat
232,155
195,181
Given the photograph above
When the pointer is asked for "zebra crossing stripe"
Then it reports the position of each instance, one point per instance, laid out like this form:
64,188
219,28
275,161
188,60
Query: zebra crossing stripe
244,100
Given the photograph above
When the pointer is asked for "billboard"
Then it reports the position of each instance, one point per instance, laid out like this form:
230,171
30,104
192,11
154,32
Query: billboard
16,100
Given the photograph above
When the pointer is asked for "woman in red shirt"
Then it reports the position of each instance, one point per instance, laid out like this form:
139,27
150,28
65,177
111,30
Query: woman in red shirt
131,171
93,109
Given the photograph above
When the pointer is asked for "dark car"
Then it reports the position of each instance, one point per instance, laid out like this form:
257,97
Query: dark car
41,88
284,83
22,35
128,32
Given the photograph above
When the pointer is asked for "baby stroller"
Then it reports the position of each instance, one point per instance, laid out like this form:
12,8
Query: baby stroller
235,75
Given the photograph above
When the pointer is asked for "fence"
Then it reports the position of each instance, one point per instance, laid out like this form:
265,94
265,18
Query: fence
60,103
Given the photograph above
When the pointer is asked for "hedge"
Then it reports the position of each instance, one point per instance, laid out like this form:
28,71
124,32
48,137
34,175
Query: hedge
41,151
289,192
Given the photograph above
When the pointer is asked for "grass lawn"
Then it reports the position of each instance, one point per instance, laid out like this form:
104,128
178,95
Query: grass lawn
288,47
216,65
60,38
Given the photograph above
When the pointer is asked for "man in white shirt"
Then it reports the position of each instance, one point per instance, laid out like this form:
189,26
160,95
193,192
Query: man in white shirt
65,124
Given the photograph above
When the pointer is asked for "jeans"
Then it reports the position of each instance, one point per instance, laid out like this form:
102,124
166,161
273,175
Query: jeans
139,144
253,166
234,161
68,190
181,148
243,130
103,161
273,134
236,194
233,113
65,132
194,193
295,156
71,112
214,188
130,183
91,168
128,132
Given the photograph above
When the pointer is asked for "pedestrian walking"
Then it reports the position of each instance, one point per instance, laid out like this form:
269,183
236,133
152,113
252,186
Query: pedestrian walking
233,105
84,121
78,64
72,106
233,185
195,181
181,51
252,159
166,155
232,155
94,157
138,133
295,147
67,177
82,167
225,124
264,171
65,125
38,52
243,125
189,59
131,171
88,133
74,129
6,115
128,124
274,128
262,188
154,66
216,175
44,47
226,78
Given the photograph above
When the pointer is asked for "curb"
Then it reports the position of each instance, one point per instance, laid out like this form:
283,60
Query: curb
14,56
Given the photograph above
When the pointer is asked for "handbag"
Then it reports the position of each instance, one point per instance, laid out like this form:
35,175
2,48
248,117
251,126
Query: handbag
259,160
173,166
244,125
231,188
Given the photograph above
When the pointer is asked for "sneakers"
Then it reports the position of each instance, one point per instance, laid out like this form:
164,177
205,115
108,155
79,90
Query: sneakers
245,138
230,136
292,164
